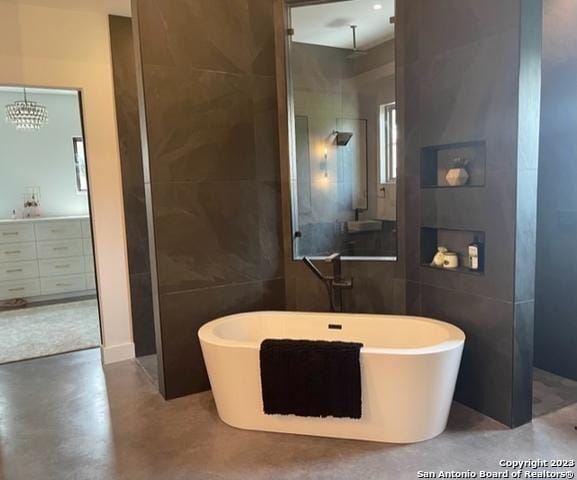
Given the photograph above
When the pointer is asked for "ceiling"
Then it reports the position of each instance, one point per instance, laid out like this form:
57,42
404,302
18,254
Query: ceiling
112,7
329,24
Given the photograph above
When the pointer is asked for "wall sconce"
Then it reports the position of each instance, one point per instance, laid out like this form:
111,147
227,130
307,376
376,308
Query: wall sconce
324,165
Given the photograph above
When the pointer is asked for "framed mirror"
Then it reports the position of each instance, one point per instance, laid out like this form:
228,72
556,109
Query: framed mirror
340,79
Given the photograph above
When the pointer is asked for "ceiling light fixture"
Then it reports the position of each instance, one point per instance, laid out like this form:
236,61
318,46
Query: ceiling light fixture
377,6
356,52
26,115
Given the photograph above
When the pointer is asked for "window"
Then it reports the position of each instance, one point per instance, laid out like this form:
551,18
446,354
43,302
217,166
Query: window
80,165
388,142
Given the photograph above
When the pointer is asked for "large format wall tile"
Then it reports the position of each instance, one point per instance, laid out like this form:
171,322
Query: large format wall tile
556,302
200,125
207,234
459,22
205,35
523,332
261,38
265,121
269,228
485,379
184,313
214,172
142,316
373,289
469,73
135,224
213,201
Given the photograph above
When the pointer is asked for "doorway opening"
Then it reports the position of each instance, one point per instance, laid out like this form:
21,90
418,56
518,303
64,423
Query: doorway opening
48,287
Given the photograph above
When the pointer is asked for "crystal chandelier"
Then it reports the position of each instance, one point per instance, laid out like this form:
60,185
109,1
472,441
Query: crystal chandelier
26,115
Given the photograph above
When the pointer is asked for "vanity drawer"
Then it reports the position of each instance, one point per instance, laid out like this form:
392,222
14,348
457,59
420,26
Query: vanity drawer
86,229
87,246
17,232
10,252
18,270
90,282
61,266
59,249
58,230
19,289
62,284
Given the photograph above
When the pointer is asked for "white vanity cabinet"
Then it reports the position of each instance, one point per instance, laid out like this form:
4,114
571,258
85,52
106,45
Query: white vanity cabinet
46,257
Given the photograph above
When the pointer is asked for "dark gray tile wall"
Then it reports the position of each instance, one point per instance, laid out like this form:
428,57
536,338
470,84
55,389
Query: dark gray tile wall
556,302
126,98
214,193
211,152
473,74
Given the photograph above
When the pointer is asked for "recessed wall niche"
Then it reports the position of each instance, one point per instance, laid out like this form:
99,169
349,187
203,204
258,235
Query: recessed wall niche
437,160
454,240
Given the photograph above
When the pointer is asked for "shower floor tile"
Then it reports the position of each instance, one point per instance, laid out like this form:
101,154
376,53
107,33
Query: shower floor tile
551,392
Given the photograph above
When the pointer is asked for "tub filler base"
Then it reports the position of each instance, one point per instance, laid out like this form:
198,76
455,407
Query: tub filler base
409,368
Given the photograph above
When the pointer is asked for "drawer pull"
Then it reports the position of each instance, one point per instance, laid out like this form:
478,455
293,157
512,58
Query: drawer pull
63,284
13,252
62,266
16,289
57,230
14,270
60,248
9,233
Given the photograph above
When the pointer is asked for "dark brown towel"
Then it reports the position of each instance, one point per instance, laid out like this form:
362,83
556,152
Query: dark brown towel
311,378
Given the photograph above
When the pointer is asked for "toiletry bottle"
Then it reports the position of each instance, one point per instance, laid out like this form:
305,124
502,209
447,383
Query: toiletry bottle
13,214
476,255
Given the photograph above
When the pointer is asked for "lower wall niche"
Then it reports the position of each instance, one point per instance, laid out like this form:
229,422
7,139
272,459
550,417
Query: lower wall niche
454,240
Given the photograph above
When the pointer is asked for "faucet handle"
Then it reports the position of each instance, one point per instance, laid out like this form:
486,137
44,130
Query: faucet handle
344,283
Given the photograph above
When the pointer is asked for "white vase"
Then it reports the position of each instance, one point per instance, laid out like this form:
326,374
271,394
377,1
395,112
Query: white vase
457,177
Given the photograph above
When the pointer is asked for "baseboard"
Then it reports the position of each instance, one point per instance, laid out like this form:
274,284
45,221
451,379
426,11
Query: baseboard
117,353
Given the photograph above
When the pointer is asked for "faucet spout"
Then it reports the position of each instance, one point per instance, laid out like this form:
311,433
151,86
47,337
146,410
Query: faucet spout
309,263
335,259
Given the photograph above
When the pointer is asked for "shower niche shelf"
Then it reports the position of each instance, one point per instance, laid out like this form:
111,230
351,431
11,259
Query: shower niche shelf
436,161
455,240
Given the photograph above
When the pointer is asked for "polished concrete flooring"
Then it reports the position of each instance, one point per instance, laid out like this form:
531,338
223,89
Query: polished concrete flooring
65,417
38,331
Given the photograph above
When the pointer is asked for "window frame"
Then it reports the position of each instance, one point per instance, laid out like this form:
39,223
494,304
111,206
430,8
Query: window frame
388,160
80,165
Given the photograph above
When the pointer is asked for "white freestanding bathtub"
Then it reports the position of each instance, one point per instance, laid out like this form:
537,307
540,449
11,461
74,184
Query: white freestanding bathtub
409,368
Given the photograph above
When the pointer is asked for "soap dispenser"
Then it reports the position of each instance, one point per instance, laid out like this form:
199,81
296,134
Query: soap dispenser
476,255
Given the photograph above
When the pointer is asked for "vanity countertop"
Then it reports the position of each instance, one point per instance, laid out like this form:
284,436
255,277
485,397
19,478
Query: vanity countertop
4,221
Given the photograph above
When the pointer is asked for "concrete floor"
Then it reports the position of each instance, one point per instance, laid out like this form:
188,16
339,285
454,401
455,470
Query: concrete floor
65,418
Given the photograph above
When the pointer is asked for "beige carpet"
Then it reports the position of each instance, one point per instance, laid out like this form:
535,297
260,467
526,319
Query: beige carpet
48,330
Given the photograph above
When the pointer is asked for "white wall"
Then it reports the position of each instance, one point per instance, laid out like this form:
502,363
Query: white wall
43,158
65,48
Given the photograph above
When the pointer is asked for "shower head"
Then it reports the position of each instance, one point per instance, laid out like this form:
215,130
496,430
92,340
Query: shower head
343,138
356,52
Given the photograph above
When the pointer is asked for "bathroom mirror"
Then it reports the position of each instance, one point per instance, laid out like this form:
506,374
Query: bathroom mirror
342,128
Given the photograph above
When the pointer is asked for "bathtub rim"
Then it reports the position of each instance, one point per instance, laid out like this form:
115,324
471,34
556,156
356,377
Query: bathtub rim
456,335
